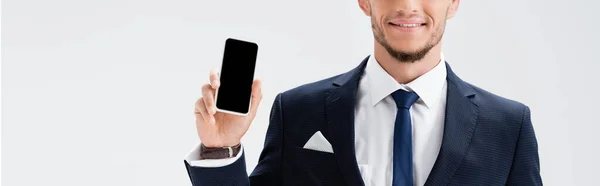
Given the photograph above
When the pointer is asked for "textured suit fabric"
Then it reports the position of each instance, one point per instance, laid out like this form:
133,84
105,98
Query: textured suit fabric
487,140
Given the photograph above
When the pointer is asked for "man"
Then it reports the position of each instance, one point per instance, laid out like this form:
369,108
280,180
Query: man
402,117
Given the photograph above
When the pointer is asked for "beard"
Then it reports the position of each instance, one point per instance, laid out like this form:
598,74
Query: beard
407,56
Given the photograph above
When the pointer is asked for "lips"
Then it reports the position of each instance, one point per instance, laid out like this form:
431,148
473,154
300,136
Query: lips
412,22
408,25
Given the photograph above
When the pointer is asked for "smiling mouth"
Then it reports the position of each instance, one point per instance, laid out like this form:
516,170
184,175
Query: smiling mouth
408,25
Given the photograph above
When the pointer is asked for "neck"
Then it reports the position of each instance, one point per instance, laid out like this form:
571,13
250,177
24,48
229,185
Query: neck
404,72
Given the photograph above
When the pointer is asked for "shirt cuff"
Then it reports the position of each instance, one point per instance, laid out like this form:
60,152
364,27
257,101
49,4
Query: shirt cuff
193,158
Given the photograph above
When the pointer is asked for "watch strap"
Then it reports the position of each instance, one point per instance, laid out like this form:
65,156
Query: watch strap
219,152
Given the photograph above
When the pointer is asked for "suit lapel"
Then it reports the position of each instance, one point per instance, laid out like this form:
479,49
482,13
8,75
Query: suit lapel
459,124
339,105
460,121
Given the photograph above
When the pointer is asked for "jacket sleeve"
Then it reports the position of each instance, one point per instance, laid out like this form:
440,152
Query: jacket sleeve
268,170
232,174
526,164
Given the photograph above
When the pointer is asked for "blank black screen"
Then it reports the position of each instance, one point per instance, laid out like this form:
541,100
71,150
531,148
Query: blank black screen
237,75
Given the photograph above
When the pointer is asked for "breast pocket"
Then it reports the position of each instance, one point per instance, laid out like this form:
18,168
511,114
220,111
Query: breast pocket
319,167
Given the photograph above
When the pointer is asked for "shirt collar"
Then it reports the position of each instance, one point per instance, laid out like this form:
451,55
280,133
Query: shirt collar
428,86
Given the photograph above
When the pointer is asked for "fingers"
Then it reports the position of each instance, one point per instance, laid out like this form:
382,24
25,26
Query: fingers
208,95
214,79
201,110
256,96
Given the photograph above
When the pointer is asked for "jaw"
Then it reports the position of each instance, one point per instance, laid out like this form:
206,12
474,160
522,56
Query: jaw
407,45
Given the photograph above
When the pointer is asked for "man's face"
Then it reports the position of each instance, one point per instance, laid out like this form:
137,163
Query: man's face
408,29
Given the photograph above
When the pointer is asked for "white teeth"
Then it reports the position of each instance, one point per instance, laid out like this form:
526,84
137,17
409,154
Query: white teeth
409,25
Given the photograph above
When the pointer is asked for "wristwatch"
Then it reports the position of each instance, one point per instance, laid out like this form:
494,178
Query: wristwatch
219,152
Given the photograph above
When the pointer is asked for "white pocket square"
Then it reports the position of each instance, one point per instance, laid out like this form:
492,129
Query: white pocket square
319,143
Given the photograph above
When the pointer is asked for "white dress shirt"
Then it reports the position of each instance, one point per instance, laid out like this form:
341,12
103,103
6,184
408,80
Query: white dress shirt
375,114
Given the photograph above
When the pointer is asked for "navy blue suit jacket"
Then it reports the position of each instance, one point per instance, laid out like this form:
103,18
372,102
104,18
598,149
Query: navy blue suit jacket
487,140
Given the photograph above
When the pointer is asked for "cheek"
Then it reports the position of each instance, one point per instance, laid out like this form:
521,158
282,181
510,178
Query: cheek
378,24
377,18
378,11
439,14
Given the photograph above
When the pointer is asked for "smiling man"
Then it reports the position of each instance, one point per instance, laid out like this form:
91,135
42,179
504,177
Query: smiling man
402,117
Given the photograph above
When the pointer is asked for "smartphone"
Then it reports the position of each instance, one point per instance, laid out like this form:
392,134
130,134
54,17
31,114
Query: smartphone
237,74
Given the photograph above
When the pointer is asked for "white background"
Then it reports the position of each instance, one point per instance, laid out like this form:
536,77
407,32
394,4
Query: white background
102,92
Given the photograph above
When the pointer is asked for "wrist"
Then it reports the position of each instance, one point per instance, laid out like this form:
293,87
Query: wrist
219,144
219,152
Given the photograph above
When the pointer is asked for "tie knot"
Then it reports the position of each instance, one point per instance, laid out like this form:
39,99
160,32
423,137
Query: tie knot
404,99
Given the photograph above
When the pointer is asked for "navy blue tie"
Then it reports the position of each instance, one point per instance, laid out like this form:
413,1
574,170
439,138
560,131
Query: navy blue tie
403,159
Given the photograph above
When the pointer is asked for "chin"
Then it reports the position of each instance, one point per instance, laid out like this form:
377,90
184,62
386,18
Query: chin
407,47
407,44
